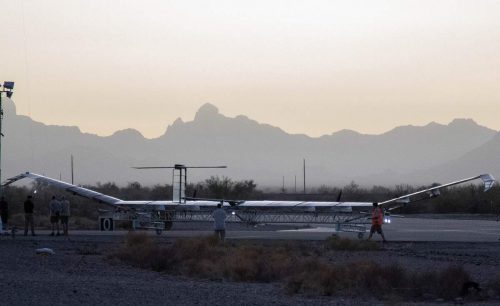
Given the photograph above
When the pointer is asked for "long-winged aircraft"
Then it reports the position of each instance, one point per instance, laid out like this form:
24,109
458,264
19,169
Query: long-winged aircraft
159,215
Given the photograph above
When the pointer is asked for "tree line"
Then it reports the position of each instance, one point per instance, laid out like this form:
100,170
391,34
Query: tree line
458,199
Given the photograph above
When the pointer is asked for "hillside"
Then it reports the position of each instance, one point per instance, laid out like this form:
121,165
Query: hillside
251,150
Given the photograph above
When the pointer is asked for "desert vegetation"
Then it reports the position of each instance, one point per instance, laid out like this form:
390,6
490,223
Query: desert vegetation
300,267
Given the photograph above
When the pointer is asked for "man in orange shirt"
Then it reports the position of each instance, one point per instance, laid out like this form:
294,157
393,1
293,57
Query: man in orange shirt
377,220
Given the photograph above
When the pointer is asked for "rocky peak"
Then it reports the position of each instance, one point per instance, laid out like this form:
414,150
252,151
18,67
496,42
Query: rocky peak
207,112
462,122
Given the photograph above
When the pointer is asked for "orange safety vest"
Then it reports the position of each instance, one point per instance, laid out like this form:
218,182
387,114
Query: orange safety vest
377,216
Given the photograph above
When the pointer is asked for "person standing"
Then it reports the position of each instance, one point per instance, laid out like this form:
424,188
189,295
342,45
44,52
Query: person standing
64,215
55,212
377,220
219,216
28,216
4,212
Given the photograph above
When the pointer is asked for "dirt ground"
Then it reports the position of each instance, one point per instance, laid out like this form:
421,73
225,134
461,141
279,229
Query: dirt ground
81,273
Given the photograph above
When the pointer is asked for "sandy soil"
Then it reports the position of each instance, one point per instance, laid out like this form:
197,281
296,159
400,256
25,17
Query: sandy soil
80,273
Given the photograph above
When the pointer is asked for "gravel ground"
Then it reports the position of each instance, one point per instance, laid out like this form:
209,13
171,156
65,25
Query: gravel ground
80,274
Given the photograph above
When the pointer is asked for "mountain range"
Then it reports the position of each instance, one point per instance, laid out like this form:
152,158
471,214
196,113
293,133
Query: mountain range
251,150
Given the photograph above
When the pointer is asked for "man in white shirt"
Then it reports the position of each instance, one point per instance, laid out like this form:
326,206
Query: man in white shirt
220,222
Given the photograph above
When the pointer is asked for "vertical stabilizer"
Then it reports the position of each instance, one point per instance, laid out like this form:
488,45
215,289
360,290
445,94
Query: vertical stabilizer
179,184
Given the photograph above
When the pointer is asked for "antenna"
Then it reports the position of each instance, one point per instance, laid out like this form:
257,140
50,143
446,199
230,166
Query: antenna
179,166
72,173
304,176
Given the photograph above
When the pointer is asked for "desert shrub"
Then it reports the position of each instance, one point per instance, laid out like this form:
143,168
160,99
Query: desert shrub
136,246
422,283
334,242
380,280
278,263
199,257
160,259
310,275
446,283
450,282
196,248
139,250
495,284
192,257
205,257
133,239
257,263
369,278
243,264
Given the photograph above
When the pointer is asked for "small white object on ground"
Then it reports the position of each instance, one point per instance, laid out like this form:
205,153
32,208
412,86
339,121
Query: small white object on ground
45,251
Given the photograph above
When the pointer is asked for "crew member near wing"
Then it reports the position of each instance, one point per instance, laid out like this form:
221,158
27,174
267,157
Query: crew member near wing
55,213
28,216
377,220
64,215
4,213
220,222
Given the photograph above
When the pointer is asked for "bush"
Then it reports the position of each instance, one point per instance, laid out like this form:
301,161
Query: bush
423,283
300,272
447,283
140,250
312,276
200,257
371,279
257,263
334,242
450,282
495,284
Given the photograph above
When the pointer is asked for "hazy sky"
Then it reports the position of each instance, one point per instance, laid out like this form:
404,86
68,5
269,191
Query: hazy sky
310,67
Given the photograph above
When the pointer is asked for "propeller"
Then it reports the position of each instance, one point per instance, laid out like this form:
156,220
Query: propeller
179,166
339,196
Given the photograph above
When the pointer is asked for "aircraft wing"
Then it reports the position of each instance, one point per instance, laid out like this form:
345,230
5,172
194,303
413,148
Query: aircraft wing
76,190
102,198
488,181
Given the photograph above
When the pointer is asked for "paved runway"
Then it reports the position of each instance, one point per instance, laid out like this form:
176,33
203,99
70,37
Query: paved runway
410,229
401,229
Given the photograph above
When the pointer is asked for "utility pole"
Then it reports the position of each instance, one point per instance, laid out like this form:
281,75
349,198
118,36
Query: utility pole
7,88
72,173
304,176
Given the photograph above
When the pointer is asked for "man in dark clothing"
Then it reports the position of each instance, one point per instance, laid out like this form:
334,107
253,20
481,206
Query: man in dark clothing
28,216
4,212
